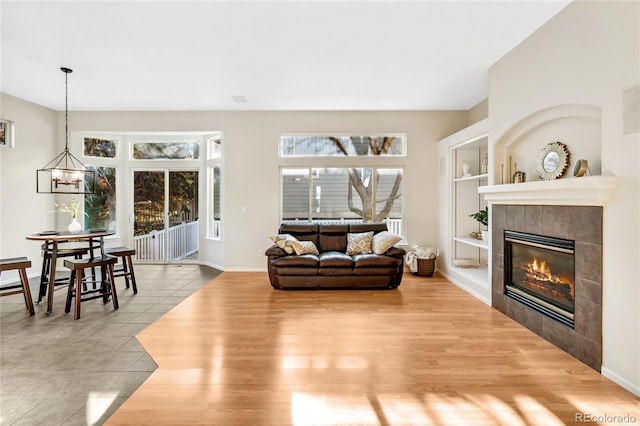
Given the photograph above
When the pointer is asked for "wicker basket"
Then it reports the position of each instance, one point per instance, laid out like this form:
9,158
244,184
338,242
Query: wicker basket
426,266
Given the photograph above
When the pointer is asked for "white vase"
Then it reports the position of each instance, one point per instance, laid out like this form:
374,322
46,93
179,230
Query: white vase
485,235
74,227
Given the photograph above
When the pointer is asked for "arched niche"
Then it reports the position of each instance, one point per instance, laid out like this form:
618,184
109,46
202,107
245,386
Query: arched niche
578,126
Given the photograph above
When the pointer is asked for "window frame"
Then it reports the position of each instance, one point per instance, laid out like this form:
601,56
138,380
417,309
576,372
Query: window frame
402,136
310,193
133,141
214,232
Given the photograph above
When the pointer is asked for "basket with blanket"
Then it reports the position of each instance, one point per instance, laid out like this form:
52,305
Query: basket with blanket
422,260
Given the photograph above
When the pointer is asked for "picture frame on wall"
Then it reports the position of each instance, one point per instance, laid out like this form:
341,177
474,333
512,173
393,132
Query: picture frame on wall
7,133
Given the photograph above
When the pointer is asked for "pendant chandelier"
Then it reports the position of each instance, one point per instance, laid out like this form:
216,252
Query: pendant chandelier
65,174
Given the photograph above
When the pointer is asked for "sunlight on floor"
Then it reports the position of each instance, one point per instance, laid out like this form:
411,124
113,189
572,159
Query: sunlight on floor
97,405
479,409
323,362
308,409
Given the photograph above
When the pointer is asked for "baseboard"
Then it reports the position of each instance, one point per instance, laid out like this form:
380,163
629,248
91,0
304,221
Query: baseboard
464,287
212,265
631,387
16,280
223,269
247,270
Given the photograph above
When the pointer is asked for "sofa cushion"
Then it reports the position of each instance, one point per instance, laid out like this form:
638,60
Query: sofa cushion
285,242
375,261
301,231
304,247
333,238
334,259
364,227
375,271
359,243
335,272
383,241
308,260
295,271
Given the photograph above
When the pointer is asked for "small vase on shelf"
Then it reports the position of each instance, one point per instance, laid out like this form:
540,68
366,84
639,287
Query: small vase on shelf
74,227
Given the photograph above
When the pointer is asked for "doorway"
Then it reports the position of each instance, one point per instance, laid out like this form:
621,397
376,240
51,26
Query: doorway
165,215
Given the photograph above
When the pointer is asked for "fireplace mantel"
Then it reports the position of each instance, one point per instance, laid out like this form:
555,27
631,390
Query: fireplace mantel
583,191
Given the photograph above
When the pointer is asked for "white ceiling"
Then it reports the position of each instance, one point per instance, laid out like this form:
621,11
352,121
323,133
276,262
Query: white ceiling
311,55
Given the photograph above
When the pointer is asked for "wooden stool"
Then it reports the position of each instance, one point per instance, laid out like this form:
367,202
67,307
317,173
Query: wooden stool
21,264
127,265
76,253
107,287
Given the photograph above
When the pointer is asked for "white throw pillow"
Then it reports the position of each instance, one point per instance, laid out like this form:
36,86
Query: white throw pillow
384,240
359,243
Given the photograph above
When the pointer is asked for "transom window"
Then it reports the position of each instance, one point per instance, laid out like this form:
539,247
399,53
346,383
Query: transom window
99,147
342,145
180,150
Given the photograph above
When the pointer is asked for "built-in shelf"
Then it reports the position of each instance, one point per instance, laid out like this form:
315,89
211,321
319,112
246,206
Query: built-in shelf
582,191
473,242
474,177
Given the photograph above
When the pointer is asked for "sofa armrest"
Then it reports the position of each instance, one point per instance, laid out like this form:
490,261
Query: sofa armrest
275,251
396,251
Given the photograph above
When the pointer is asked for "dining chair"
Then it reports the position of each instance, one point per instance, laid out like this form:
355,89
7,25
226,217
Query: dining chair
126,270
47,251
77,279
21,264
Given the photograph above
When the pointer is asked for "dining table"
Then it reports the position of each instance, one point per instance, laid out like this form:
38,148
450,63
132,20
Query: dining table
94,238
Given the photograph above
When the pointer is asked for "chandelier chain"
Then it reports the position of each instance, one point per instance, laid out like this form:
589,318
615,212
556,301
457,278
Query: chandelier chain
66,110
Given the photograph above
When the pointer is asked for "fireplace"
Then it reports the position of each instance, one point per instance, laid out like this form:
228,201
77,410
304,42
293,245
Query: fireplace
564,228
540,273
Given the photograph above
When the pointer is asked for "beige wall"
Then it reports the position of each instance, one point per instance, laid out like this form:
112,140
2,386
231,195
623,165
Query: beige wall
251,176
479,112
22,210
587,56
251,188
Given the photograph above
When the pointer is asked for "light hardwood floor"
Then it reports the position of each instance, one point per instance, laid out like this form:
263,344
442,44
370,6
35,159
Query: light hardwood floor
238,352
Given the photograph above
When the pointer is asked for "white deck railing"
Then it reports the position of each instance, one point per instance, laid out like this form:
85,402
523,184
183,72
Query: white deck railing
183,241
393,225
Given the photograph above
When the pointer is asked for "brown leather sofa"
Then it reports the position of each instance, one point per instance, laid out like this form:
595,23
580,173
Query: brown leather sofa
333,269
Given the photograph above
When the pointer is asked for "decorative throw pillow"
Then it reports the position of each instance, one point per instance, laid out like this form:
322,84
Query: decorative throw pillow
359,243
383,241
304,247
285,242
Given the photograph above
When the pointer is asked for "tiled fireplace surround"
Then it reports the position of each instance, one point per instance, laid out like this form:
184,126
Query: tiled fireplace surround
583,224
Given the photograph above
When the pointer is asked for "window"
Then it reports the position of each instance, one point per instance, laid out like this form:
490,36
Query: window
214,203
189,150
215,148
214,170
340,146
101,205
368,191
99,147
330,195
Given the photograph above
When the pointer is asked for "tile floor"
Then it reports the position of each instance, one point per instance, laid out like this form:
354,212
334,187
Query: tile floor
57,371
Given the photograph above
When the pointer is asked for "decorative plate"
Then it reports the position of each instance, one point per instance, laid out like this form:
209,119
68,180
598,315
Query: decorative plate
552,161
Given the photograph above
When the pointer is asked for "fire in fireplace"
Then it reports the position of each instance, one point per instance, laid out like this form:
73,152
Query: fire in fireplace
540,273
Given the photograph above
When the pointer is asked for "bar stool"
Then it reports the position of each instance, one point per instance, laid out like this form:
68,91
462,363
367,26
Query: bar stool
76,281
21,264
47,249
126,270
